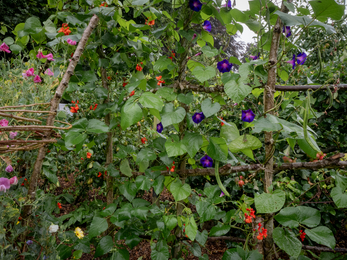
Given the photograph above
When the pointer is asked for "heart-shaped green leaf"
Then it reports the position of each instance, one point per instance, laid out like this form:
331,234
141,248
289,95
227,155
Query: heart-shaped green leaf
208,108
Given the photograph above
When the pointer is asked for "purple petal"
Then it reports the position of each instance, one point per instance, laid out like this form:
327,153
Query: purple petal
207,26
3,122
247,115
160,127
195,5
292,61
301,58
198,117
287,31
5,182
224,66
206,161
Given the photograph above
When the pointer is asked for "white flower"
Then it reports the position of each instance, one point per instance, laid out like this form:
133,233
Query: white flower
53,228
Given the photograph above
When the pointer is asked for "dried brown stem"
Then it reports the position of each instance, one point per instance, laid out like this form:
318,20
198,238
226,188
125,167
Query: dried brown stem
28,111
32,128
30,105
20,118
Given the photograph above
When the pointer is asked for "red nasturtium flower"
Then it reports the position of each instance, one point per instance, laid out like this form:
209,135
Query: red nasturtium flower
143,140
302,235
138,67
65,29
151,22
159,80
89,155
221,123
132,93
172,55
109,78
99,174
262,232
250,216
59,205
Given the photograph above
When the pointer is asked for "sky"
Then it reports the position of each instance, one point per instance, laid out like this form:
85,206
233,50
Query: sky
247,34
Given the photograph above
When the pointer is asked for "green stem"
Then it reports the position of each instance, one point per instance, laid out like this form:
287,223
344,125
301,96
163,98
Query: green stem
216,172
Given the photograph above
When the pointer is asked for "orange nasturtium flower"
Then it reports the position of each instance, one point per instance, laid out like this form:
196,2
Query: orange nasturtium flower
65,29
89,155
150,22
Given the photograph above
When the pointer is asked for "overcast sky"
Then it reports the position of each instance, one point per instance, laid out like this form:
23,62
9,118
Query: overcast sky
247,34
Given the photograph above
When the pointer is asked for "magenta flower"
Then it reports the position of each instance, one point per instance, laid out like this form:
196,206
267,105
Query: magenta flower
221,194
198,117
9,168
255,57
224,66
28,73
3,122
301,58
14,180
13,135
194,36
49,72
292,61
160,127
195,5
4,183
71,42
40,55
49,57
4,47
247,115
206,161
198,54
37,79
287,31
207,26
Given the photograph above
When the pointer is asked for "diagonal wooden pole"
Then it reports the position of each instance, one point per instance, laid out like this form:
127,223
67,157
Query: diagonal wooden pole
54,106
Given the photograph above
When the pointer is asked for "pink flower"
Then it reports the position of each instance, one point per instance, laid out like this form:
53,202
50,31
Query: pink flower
14,180
13,135
28,73
40,55
4,47
37,79
3,122
3,188
9,169
49,72
49,57
71,42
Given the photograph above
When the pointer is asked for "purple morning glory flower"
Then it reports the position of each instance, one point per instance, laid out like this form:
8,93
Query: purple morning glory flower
301,58
224,66
198,117
5,183
206,161
30,242
292,61
255,57
229,4
287,31
195,5
9,168
221,194
207,26
194,36
160,127
247,115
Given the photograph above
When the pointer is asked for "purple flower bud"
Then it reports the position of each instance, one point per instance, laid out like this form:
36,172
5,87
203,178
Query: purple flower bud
199,195
198,117
292,61
198,54
229,4
255,57
3,122
160,127
301,58
207,26
287,31
224,66
195,5
247,115
5,183
194,36
221,194
13,135
9,168
30,242
206,161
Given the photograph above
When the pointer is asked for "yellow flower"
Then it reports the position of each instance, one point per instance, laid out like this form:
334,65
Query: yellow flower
79,233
